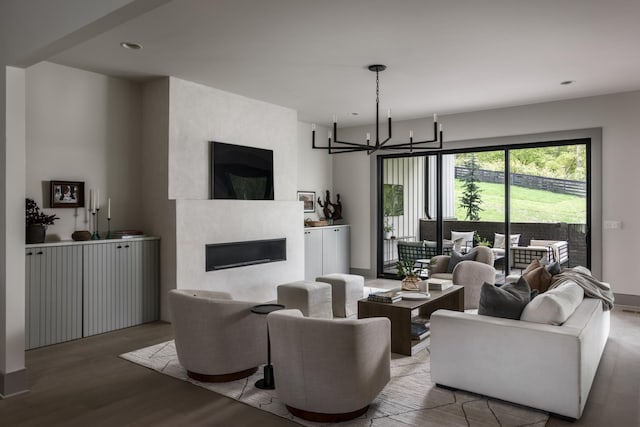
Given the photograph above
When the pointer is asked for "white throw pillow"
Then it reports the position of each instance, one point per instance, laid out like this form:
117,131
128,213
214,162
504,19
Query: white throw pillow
498,240
462,239
554,306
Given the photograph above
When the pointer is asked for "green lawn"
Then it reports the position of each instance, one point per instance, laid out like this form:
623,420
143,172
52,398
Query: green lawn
527,205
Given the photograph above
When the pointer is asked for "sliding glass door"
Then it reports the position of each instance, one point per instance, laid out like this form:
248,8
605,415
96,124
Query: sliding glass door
461,199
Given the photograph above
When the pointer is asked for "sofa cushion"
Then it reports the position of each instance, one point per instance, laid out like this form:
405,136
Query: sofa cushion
456,257
554,307
553,268
507,301
537,276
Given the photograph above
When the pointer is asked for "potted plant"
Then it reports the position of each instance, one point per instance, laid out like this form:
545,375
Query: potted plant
388,231
36,222
408,269
481,241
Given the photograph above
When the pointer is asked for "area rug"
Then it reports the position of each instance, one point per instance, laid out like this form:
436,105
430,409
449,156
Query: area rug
409,399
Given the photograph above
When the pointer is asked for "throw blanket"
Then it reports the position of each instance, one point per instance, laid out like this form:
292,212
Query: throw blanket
593,288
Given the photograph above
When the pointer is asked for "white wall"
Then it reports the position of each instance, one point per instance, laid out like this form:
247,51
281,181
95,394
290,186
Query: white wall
315,167
83,126
158,211
12,293
617,116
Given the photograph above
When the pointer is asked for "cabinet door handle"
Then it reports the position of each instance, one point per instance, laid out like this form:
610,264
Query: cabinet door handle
40,253
29,253
118,247
126,246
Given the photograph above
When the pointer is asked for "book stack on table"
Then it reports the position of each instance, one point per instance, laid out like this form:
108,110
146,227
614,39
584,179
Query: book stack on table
388,297
439,284
420,330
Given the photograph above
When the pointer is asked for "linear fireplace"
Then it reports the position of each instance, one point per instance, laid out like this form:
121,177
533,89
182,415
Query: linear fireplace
220,256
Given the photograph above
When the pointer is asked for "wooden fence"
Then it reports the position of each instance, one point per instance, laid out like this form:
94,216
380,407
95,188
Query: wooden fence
564,186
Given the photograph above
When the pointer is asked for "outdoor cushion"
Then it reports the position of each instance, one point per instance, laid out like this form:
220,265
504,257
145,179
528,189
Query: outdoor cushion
462,239
498,240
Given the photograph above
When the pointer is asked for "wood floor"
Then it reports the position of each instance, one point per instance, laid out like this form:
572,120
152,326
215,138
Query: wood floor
84,383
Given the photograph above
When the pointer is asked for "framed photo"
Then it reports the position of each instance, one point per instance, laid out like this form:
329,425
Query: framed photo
67,194
309,199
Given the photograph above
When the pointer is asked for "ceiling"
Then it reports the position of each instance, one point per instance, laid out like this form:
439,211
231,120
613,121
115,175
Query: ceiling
442,56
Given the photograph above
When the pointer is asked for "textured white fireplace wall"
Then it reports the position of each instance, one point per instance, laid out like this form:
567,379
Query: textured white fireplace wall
199,114
202,221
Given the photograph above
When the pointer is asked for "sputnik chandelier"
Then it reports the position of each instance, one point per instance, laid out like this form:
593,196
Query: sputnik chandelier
335,146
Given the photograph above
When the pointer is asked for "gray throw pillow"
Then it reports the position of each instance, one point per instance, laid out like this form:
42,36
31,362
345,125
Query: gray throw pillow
457,257
553,268
507,301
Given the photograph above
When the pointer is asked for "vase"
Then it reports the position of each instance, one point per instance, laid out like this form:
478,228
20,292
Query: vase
35,233
410,283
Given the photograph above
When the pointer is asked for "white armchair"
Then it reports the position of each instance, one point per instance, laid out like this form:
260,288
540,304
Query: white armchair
217,339
470,274
329,370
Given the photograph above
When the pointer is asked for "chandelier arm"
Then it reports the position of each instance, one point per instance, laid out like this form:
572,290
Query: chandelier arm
330,144
344,150
353,144
408,146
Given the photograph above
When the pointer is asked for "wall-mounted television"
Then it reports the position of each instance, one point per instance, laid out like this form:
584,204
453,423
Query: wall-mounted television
240,172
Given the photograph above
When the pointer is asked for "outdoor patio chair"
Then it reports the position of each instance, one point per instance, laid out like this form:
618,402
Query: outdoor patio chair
544,250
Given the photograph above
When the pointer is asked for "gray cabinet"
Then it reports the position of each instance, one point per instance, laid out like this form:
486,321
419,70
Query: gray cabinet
82,289
120,285
53,293
312,253
335,250
327,250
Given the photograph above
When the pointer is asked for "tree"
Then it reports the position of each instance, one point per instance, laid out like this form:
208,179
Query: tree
471,199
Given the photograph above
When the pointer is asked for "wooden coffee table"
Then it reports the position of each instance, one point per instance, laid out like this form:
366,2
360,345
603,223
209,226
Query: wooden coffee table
400,313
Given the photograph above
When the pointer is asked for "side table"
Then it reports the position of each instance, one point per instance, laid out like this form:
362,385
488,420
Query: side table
267,383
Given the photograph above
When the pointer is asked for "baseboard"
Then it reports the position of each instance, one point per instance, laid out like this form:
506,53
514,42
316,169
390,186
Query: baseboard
13,383
630,301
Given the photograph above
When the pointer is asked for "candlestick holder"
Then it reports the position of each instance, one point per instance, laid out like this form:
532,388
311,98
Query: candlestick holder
108,228
95,235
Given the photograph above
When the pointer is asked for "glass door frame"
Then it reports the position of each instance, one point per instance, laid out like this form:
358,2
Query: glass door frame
507,171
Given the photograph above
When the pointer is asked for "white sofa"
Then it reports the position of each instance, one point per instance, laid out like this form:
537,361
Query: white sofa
538,365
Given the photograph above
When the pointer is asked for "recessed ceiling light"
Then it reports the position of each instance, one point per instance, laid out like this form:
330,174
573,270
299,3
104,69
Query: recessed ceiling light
130,45
567,82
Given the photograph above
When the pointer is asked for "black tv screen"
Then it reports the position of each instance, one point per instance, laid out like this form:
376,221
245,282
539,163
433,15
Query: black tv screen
240,172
